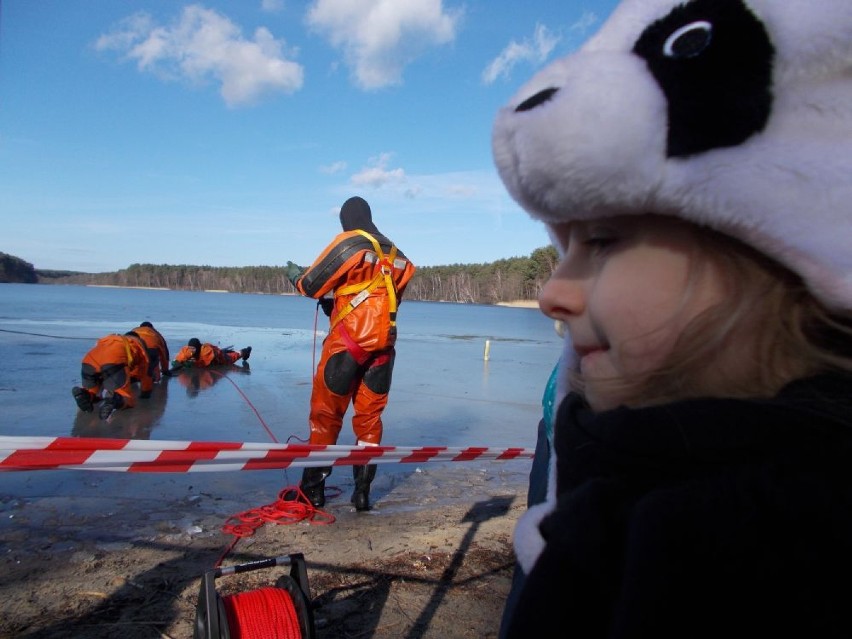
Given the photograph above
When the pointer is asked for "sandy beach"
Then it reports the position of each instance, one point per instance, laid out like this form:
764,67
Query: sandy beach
520,304
433,571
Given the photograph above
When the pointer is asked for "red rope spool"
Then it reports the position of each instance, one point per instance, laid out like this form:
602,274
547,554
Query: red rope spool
266,613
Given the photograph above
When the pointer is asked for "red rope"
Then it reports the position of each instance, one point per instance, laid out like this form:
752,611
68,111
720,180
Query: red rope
266,613
314,355
292,506
248,401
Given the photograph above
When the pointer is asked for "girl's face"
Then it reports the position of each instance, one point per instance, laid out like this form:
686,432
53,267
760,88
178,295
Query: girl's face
625,290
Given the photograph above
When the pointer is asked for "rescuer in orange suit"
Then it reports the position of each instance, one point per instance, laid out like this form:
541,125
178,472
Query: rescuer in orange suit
197,354
158,350
367,275
112,366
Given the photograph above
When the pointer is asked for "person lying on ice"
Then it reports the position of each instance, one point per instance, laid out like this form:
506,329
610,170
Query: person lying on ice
197,354
111,367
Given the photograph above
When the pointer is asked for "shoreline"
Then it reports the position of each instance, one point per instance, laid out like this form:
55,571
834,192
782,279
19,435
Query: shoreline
510,304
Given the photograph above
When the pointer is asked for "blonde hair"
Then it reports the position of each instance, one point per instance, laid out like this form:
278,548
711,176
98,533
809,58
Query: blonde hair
768,321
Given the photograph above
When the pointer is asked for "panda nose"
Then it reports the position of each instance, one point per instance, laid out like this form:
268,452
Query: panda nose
539,98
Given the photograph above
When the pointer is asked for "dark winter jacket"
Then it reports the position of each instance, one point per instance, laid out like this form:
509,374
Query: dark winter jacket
701,518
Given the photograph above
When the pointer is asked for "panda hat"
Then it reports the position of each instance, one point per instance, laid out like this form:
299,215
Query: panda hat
733,114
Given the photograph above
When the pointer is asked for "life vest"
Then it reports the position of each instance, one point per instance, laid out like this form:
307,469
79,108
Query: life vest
368,275
382,278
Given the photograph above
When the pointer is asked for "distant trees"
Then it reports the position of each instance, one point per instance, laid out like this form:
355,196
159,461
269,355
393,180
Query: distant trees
516,278
15,270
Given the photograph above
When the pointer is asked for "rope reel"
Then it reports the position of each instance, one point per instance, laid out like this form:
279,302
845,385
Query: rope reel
282,611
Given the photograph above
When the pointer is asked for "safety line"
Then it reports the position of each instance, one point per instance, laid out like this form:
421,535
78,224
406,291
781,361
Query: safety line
248,401
6,330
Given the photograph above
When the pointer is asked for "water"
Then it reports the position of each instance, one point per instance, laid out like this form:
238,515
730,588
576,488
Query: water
444,393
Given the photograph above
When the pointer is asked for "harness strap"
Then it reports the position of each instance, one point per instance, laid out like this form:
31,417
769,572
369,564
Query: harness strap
360,355
362,290
127,350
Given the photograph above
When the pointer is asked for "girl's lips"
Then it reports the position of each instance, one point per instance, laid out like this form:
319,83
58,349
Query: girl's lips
582,351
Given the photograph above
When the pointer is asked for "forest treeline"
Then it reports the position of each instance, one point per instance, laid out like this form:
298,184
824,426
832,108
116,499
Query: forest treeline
506,280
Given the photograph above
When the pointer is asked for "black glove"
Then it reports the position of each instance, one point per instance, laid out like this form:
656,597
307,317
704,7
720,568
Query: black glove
167,373
327,304
105,411
179,366
293,272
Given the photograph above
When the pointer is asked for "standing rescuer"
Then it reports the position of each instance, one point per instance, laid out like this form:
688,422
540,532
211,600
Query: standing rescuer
367,275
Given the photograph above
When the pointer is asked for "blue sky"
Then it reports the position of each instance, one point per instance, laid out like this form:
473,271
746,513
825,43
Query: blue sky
228,133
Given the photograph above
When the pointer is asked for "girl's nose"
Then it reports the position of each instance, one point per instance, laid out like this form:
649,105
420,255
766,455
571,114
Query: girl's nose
562,296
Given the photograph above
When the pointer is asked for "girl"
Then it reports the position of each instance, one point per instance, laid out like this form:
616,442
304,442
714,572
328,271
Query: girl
704,483
692,165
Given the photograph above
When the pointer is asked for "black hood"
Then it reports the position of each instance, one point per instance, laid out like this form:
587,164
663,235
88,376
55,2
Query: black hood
355,214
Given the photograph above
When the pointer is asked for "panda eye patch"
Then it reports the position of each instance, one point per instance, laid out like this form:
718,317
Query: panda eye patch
688,41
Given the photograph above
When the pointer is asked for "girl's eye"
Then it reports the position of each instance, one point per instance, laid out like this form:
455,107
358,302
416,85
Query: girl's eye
598,242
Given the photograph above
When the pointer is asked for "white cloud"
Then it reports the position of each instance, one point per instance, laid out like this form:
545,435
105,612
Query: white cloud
413,192
271,6
535,50
380,37
203,45
333,168
586,22
463,191
376,174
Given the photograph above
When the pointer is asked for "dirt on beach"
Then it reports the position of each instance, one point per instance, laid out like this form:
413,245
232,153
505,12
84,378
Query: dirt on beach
432,571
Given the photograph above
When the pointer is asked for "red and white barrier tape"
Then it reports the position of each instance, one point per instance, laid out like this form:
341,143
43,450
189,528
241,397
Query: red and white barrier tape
153,456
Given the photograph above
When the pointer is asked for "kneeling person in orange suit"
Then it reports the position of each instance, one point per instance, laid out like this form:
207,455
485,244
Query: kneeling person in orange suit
158,350
197,354
112,366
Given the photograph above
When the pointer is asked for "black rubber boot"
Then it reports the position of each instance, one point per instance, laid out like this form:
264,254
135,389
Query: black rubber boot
313,484
110,405
83,399
364,476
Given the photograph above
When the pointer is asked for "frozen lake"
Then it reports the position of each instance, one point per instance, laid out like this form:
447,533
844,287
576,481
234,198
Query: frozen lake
444,393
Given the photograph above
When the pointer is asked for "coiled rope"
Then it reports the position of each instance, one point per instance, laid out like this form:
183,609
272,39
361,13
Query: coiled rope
292,506
266,613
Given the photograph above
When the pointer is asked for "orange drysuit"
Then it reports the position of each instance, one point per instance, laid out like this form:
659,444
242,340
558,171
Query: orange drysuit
208,355
158,351
368,275
113,364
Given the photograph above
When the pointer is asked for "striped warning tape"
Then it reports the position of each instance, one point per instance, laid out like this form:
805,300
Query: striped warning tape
161,456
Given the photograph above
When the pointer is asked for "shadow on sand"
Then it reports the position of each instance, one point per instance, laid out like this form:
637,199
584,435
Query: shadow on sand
348,600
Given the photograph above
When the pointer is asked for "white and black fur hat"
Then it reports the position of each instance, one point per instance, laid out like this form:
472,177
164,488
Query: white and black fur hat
734,114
